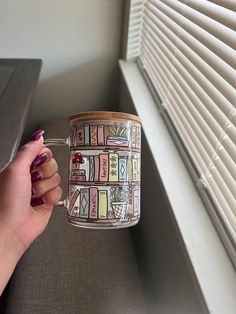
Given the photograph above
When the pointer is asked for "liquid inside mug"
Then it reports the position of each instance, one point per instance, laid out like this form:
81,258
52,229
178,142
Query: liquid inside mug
104,169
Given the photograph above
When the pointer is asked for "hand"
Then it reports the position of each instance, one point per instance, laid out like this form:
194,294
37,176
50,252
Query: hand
29,188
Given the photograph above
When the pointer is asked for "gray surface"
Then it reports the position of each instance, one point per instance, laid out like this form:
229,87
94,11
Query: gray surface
70,270
18,79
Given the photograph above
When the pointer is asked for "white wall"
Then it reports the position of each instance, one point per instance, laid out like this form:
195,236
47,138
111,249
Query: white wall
79,42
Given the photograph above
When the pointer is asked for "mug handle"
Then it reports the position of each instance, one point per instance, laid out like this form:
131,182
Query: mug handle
58,142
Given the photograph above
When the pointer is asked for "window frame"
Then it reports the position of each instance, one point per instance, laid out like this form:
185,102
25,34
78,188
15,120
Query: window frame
206,197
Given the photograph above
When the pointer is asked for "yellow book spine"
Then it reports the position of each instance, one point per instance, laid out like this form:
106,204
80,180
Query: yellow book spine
102,204
113,167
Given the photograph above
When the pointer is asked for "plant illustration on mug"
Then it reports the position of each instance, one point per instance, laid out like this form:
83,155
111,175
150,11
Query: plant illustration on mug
117,135
120,198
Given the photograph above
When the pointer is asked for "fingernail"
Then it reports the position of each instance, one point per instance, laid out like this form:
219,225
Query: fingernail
35,176
39,160
37,202
33,192
36,136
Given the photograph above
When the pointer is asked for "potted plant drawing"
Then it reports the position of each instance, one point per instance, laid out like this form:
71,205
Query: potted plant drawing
120,197
117,135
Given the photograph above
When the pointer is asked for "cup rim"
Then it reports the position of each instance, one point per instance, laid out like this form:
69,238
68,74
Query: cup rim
103,115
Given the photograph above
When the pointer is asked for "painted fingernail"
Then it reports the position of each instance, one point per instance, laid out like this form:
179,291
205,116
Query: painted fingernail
39,160
35,176
36,136
37,202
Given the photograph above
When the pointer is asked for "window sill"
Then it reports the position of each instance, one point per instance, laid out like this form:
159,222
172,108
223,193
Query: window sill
212,267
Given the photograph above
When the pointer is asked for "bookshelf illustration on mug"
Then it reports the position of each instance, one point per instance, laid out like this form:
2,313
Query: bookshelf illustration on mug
115,134
104,176
105,204
104,167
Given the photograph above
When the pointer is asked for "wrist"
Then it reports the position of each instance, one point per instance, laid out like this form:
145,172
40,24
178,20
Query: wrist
10,244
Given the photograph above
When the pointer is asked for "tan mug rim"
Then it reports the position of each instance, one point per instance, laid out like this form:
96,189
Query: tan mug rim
103,115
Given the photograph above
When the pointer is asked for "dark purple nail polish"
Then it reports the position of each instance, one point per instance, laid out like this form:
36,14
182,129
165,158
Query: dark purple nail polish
37,202
39,160
36,136
35,176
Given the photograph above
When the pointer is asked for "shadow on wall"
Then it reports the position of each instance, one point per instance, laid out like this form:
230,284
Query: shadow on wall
168,281
84,87
168,284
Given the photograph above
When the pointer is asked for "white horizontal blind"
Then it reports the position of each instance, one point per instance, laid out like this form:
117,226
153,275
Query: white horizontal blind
187,49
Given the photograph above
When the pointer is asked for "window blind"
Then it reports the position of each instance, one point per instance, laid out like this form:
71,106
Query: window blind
187,50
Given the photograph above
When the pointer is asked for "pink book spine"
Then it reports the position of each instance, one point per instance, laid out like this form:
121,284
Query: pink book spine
93,135
103,175
101,134
93,203
136,202
73,199
79,140
96,168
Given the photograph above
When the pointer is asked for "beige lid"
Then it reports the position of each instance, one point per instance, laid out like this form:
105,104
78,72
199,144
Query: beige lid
103,115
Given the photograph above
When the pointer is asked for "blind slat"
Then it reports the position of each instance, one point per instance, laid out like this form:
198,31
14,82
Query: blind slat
199,85
182,123
228,4
227,213
192,47
200,129
205,120
220,31
212,174
218,12
211,42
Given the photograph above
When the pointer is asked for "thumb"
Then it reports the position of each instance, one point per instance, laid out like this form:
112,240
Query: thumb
29,151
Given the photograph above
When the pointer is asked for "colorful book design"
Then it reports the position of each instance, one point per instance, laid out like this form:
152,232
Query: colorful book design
86,135
122,169
84,202
113,167
79,138
102,204
138,137
101,135
103,162
73,199
135,169
82,172
80,176
138,169
139,200
96,168
133,136
93,204
117,141
136,200
91,168
85,167
73,137
93,135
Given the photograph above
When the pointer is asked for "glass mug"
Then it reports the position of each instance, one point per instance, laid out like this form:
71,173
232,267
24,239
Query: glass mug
104,169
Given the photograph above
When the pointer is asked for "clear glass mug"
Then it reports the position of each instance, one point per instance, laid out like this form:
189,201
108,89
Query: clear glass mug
104,169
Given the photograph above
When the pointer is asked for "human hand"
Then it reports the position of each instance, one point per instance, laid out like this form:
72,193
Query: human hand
29,188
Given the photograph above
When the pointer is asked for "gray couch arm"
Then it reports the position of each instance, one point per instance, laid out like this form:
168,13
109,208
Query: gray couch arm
69,270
